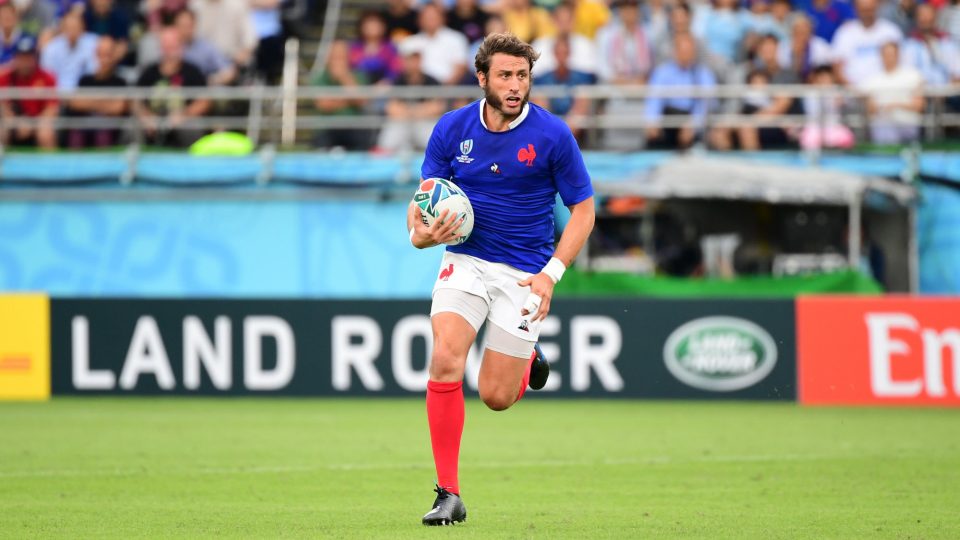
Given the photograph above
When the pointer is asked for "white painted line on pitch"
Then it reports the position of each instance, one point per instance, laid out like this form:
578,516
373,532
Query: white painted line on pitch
663,460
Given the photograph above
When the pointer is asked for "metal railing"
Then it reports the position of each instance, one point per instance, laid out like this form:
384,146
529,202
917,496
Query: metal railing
275,114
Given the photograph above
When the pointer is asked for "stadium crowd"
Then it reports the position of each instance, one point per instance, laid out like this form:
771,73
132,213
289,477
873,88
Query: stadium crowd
886,50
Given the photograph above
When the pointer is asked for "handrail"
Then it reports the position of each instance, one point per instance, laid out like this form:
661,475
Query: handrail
289,99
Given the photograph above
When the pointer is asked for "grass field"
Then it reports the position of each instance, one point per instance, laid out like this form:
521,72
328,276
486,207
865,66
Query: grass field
95,468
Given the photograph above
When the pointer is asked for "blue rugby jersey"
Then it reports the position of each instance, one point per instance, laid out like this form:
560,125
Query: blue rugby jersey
511,178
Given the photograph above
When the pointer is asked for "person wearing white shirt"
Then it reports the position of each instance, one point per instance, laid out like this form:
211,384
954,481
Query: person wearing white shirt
72,54
803,51
931,51
444,50
856,45
894,99
583,55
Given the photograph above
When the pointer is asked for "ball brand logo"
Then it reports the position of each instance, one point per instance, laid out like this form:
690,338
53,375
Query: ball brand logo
527,154
720,354
446,273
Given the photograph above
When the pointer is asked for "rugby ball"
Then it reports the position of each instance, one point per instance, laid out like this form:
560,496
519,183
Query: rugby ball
438,194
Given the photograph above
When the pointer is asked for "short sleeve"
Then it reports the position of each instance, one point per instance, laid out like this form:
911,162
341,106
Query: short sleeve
569,172
436,162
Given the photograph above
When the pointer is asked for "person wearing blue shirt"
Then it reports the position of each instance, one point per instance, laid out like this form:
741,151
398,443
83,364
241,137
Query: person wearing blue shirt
827,15
682,71
511,158
569,107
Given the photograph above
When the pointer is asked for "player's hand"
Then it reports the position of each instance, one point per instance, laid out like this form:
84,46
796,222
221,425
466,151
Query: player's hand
540,286
444,229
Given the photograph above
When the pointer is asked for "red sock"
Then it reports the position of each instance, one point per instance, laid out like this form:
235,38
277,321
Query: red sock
445,415
526,376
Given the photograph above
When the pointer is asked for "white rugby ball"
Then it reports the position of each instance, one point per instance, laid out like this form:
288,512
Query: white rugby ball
438,194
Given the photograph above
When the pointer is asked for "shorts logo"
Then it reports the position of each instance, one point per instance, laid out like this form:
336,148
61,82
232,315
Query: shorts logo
527,154
465,147
446,273
524,325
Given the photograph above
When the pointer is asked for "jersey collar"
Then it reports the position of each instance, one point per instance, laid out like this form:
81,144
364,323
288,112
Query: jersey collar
516,122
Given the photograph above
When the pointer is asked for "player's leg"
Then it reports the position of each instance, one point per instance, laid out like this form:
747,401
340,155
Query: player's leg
505,368
456,315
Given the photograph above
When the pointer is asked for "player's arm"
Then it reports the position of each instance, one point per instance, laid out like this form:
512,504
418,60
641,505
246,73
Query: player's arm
421,236
578,229
582,216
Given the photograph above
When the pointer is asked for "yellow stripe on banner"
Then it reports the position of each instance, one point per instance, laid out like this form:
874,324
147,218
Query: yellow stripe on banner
24,346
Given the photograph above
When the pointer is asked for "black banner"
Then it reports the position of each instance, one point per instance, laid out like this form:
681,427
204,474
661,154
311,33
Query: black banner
743,349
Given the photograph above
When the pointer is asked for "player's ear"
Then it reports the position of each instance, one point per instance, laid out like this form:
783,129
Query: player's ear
482,78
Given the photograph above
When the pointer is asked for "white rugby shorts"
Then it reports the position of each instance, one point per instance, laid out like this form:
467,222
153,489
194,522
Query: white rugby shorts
496,284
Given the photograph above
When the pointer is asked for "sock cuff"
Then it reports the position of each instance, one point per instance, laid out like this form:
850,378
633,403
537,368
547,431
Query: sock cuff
444,387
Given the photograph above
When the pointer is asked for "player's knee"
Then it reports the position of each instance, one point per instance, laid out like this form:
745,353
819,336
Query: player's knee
446,364
498,401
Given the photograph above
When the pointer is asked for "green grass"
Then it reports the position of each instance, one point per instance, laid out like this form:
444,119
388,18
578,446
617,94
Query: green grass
119,468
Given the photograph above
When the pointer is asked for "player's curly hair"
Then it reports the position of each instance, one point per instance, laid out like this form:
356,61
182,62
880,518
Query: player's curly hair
505,43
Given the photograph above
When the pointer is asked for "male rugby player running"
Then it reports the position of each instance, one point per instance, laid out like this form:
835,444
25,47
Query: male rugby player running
511,158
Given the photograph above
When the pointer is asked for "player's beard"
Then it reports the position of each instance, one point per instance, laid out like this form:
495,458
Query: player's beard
494,101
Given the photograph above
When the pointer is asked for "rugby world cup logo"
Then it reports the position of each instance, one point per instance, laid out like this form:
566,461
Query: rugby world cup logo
466,146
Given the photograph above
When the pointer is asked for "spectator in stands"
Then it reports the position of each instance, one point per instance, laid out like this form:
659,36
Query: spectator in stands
950,19
803,50
72,54
624,52
37,18
338,73
27,122
759,22
624,59
932,51
680,25
900,13
444,50
589,16
894,99
104,77
467,18
160,13
762,103
410,122
824,126
200,52
372,52
682,71
783,16
10,31
229,26
856,45
828,16
656,19
723,29
162,117
495,25
526,21
270,39
401,20
582,53
572,107
104,18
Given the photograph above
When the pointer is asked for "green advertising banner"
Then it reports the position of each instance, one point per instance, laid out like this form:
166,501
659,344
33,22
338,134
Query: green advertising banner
741,349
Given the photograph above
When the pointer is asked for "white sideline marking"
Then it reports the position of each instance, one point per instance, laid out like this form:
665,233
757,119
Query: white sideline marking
663,460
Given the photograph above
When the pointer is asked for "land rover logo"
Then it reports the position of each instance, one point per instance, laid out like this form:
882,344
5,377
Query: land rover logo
721,354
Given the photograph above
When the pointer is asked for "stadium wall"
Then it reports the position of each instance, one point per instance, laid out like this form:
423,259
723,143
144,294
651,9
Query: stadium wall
276,248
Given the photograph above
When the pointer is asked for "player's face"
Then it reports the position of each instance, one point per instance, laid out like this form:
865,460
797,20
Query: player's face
507,84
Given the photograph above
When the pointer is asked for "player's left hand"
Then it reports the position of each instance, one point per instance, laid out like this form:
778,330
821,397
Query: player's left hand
542,286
